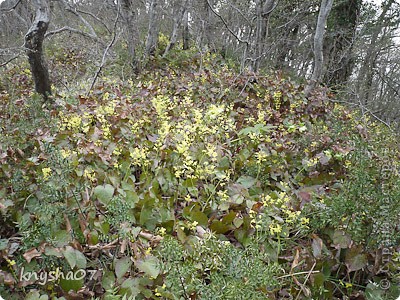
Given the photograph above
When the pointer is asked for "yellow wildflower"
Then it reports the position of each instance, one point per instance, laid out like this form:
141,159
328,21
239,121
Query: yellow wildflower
46,173
304,221
275,229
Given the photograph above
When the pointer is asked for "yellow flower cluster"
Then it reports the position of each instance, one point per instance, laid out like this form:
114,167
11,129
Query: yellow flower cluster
211,152
277,100
275,229
46,173
203,170
10,262
312,162
162,104
86,122
65,153
135,126
281,200
72,122
261,157
140,156
291,216
192,226
89,174
157,291
223,195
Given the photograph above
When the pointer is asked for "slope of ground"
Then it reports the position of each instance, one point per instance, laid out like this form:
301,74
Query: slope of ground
194,182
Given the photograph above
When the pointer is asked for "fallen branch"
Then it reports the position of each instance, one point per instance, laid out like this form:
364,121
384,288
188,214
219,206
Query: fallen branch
298,273
150,237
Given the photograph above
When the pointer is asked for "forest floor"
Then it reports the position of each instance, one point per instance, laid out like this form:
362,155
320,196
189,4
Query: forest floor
193,181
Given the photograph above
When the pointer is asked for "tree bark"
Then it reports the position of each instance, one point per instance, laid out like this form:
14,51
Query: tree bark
186,35
34,48
152,35
264,10
317,73
339,43
366,75
178,18
129,17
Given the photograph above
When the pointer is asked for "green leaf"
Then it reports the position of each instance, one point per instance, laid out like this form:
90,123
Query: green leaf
200,218
238,222
122,266
131,198
355,260
246,131
74,257
104,193
80,260
219,227
341,239
228,218
61,238
73,285
69,254
374,292
108,280
35,295
149,265
319,280
224,163
247,181
130,287
3,244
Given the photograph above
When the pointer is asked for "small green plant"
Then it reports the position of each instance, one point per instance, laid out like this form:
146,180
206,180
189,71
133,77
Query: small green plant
209,263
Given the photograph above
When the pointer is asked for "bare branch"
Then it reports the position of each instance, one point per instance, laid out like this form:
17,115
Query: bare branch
226,25
73,30
94,17
110,44
10,60
8,9
77,14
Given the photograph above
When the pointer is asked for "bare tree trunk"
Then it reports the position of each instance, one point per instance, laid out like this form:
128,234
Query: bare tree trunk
365,77
264,10
34,48
152,35
178,18
186,36
208,24
129,17
316,76
339,44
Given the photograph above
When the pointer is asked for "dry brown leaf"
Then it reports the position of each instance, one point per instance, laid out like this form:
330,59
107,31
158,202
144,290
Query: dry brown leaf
30,254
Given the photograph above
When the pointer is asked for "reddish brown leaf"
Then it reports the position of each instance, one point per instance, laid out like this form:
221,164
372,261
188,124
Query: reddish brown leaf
30,254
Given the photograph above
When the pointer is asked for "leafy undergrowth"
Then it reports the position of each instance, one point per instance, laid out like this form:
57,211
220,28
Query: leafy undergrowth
195,183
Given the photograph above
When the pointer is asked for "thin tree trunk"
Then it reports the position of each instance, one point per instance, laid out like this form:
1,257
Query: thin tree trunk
339,54
152,36
365,77
34,48
179,15
264,10
186,36
129,17
316,76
